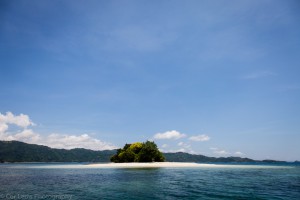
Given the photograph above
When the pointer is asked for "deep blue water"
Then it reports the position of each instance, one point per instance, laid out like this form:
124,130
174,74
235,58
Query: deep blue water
21,181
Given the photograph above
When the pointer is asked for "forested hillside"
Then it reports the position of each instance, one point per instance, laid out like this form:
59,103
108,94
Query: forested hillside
15,151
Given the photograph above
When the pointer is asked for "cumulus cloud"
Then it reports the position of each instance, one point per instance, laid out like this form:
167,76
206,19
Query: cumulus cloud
180,150
21,121
184,145
3,127
169,135
224,152
18,120
27,135
238,153
180,147
219,151
199,138
74,141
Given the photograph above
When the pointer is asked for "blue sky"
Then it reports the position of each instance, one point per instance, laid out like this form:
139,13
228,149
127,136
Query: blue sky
111,72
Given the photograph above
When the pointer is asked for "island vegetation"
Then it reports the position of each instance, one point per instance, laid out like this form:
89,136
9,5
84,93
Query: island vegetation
15,151
138,152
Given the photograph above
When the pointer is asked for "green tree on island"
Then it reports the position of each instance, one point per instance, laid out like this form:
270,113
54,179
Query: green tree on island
138,152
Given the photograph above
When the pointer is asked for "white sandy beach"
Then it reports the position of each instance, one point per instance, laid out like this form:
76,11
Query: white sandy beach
152,165
174,165
147,165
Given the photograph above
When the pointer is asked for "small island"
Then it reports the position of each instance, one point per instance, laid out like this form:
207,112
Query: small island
138,152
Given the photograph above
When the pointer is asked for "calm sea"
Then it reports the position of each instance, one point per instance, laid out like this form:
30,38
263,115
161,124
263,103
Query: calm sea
24,181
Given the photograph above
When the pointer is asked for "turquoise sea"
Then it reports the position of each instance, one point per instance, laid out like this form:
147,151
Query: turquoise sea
26,181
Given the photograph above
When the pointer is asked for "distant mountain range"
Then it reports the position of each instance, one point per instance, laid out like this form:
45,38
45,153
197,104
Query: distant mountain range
15,151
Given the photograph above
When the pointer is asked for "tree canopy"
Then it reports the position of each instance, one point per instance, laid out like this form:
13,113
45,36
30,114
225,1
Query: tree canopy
138,152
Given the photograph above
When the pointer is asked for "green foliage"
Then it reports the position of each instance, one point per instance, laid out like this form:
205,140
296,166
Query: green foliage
126,146
186,157
127,156
14,151
150,153
136,147
138,152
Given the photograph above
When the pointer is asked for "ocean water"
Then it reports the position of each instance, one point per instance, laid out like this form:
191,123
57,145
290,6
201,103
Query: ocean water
39,181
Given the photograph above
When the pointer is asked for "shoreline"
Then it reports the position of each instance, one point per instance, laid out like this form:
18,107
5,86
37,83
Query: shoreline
146,165
190,165
174,165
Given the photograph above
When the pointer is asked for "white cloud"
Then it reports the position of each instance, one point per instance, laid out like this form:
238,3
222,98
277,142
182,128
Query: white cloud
174,151
27,135
64,141
181,147
199,138
181,150
223,152
74,141
3,127
219,151
18,120
167,150
184,145
238,153
178,150
169,135
164,145
22,121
